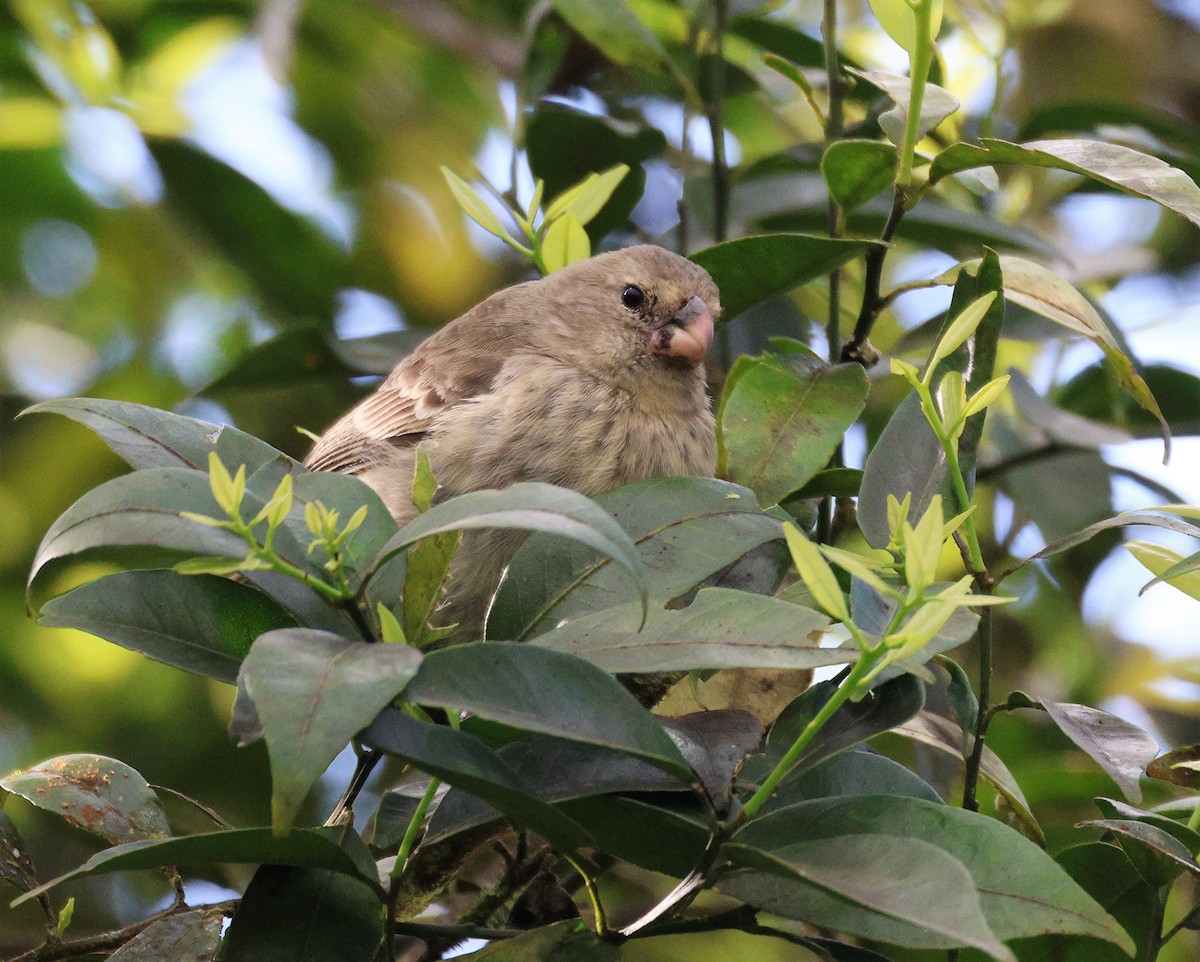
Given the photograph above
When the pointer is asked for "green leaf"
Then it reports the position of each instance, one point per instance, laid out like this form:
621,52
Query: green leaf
857,170
462,760
750,270
473,205
1122,749
317,847
1022,891
187,937
587,198
143,508
962,327
898,19
147,437
781,419
854,771
1122,520
528,506
313,691
557,770
537,690
100,795
945,736
1105,873
936,105
1167,566
1187,837
904,891
565,145
1169,853
1122,168
15,866
685,530
565,243
816,574
940,226
300,914
886,706
614,29
711,632
201,624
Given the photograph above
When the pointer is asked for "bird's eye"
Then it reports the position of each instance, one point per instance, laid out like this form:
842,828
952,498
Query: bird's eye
632,297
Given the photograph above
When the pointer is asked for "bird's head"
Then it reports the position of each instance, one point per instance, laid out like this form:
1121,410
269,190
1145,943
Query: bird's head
637,306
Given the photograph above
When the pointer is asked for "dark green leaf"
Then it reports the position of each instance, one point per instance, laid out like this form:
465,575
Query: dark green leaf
891,889
857,170
722,628
100,795
143,508
780,38
465,762
1160,842
313,691
750,270
885,707
300,914
15,866
187,937
685,529
147,437
662,838
715,743
782,417
945,736
935,224
527,506
301,354
1022,891
316,847
544,691
1189,838
558,771
959,693
293,264
614,29
200,623
565,145
1119,747
1057,424
1092,114
856,771
560,942
1105,873
1123,168
832,483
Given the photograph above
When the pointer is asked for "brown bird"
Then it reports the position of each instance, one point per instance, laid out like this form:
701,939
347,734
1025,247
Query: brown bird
589,378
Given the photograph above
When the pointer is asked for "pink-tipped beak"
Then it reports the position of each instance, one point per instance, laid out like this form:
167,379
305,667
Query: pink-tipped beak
689,334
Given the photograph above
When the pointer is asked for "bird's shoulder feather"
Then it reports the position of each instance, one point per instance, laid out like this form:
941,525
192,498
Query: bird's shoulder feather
459,362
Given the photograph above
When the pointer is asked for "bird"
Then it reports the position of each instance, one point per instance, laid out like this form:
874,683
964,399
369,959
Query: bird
590,378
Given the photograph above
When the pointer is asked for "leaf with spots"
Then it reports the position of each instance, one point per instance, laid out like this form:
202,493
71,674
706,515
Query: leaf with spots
15,867
186,937
100,795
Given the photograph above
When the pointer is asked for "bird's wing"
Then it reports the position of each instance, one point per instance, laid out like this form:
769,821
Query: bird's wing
457,363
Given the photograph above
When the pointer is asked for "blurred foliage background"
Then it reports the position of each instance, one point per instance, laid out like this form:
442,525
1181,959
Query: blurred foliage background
185,181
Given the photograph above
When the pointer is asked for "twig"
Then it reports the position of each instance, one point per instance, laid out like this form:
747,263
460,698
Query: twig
872,303
367,760
111,941
974,762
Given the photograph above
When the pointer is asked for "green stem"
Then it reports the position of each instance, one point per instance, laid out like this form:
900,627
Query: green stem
589,886
404,852
975,761
862,668
921,60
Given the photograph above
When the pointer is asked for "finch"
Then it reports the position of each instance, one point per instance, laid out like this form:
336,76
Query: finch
589,378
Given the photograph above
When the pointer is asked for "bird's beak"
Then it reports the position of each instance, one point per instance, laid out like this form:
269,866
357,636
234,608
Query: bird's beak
689,334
